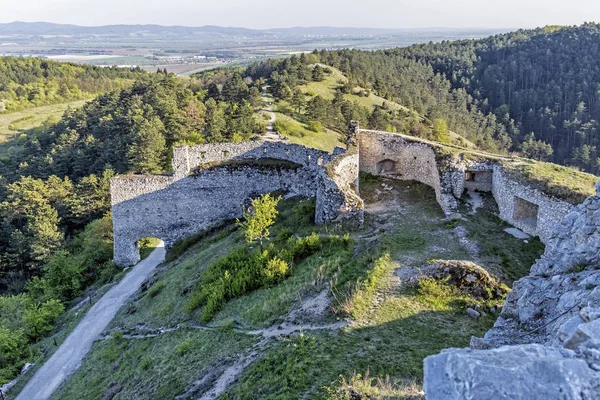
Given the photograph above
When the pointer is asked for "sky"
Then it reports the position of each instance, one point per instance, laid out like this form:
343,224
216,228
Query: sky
262,14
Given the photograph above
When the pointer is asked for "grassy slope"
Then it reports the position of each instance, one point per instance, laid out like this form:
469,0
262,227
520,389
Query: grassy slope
556,180
327,87
394,328
325,140
32,117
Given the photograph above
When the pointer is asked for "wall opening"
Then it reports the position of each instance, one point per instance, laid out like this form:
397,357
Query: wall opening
147,245
526,212
478,180
386,167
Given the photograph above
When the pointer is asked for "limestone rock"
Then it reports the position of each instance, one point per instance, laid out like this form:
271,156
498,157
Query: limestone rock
527,372
557,305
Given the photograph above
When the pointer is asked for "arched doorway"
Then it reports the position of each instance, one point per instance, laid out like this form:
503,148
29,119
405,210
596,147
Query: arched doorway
386,167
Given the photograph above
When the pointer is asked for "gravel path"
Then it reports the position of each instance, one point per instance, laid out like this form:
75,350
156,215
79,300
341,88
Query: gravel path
71,352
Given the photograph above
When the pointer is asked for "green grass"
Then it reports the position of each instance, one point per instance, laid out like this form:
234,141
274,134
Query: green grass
556,180
147,246
325,140
394,327
154,368
328,86
507,256
13,123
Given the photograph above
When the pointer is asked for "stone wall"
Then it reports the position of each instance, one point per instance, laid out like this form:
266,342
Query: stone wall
393,156
546,343
399,157
337,193
517,203
180,205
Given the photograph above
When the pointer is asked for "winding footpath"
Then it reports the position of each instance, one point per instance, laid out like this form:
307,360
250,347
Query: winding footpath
270,135
71,352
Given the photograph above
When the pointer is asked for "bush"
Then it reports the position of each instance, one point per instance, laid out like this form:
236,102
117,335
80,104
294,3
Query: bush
315,126
276,270
155,289
145,363
40,319
184,347
12,351
117,336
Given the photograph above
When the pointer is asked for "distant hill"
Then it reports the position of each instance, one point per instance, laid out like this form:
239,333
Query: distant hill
46,28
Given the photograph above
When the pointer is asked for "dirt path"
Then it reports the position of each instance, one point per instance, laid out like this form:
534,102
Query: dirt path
70,354
271,135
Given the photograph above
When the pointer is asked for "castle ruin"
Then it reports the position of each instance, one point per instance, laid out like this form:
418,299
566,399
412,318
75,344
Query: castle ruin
210,183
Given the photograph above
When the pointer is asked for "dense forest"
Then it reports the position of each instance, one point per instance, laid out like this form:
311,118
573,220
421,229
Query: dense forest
410,83
32,82
55,226
531,91
543,83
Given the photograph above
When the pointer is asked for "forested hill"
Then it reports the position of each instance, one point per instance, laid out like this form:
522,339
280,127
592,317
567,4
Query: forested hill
531,91
32,82
547,80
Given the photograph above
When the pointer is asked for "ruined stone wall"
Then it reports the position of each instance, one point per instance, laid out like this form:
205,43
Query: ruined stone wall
194,156
177,206
337,193
546,343
392,156
509,195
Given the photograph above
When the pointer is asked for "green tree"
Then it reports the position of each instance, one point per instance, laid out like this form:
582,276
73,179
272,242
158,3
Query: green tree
318,73
215,122
536,149
30,223
40,318
234,90
298,100
63,274
147,153
13,345
440,131
257,221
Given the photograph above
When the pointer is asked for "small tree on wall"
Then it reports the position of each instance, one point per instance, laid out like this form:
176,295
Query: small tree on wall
256,223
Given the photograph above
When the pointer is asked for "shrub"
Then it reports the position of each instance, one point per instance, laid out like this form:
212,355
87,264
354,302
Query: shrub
155,289
145,363
276,270
117,336
12,349
315,126
184,347
40,319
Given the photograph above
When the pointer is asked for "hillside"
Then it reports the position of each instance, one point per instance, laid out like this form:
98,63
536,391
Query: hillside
364,98
56,231
32,82
299,310
341,316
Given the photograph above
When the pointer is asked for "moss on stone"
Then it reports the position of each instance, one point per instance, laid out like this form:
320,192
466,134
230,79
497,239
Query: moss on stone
564,183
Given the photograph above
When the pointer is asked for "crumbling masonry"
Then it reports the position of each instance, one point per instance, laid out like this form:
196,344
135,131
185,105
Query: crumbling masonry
545,344
210,183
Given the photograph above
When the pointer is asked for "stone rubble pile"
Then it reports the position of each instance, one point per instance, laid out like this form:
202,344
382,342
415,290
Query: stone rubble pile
546,342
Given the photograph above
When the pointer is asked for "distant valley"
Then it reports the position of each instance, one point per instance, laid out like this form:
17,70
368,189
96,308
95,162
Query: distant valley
185,50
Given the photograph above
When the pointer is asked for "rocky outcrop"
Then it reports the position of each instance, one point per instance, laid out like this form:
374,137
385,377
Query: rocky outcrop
546,342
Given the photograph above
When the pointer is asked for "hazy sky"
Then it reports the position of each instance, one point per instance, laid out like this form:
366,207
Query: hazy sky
285,13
